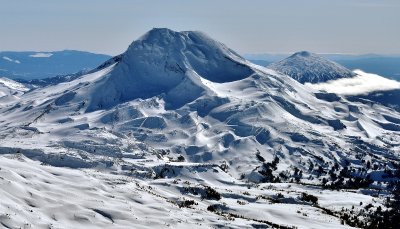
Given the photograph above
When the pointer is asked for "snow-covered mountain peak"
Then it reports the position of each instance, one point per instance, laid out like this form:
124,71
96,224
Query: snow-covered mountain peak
303,54
156,37
163,60
188,50
160,35
307,67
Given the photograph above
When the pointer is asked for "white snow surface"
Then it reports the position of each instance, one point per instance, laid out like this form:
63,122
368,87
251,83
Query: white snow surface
10,90
113,141
39,196
361,84
11,60
13,85
41,55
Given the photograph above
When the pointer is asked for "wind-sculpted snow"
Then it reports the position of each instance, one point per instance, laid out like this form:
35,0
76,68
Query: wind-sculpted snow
40,196
180,125
307,67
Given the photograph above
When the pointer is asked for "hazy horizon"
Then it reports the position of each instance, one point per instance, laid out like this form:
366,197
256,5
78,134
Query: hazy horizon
256,27
243,54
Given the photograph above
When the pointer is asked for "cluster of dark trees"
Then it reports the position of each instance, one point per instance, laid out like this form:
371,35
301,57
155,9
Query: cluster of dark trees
348,177
377,218
267,169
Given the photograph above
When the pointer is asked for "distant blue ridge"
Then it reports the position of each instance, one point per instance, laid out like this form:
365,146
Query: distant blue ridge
21,65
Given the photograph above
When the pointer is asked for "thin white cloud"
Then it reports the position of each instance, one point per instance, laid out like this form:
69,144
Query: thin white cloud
363,83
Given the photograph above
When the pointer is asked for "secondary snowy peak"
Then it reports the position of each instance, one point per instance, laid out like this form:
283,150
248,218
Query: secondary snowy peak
307,67
163,60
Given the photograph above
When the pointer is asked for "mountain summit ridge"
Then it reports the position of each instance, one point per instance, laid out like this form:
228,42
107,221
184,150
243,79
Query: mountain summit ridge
163,59
191,49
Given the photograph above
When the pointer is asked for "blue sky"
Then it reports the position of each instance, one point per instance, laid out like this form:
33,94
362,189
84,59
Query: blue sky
258,26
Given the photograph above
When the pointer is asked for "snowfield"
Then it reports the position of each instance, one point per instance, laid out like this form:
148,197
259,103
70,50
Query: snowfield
180,131
35,195
11,60
10,90
41,55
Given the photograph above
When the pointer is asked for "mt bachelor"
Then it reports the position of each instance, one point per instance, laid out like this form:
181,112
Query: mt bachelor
322,74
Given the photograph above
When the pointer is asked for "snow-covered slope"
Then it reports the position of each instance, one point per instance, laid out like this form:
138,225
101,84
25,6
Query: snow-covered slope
307,67
183,117
35,83
10,90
